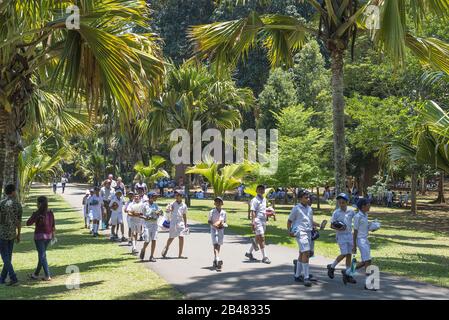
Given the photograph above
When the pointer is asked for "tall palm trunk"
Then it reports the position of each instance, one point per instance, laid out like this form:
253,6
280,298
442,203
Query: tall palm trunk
338,101
413,192
3,121
441,198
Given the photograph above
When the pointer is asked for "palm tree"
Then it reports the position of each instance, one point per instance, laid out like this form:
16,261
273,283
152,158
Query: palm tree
151,173
193,93
222,179
99,60
338,23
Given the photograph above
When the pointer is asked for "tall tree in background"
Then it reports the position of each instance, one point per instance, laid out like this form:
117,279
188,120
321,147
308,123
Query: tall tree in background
98,59
338,24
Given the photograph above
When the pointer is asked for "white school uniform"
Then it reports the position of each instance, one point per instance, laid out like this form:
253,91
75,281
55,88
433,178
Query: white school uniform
259,206
135,223
95,204
151,226
116,215
177,225
344,237
302,218
217,235
361,224
86,206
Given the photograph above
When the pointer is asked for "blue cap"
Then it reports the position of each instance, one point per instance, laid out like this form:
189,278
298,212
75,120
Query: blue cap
151,194
343,196
362,202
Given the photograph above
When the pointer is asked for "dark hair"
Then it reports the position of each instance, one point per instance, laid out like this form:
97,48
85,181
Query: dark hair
42,206
9,189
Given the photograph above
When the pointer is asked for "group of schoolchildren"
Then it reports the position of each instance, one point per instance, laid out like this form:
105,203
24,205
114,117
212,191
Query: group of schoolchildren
144,217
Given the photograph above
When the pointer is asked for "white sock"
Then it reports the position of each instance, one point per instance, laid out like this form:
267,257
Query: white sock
305,267
263,253
217,258
348,271
298,269
334,264
95,229
251,249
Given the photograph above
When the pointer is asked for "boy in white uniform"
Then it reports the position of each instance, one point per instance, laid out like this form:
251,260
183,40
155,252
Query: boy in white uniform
341,221
135,211
151,215
86,208
130,196
116,221
178,224
217,222
300,225
95,210
360,237
259,224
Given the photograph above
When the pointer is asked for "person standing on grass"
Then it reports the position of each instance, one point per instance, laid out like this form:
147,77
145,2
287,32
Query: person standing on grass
135,211
217,222
178,224
44,232
95,210
55,185
300,225
341,221
150,215
258,224
86,208
10,226
126,208
106,194
116,221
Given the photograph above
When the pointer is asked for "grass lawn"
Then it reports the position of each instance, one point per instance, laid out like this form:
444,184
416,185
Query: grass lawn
106,270
413,246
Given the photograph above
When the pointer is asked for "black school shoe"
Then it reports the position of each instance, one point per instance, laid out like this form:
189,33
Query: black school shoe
330,271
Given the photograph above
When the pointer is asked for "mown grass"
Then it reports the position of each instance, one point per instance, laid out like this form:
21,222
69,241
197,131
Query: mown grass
412,246
106,270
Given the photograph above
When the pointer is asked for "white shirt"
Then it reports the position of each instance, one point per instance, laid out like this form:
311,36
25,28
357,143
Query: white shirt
136,207
361,224
106,193
113,184
259,206
345,217
178,211
150,211
301,217
95,202
141,185
120,202
215,216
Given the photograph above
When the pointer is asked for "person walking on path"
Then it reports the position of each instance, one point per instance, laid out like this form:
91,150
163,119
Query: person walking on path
44,232
64,181
178,224
106,194
10,226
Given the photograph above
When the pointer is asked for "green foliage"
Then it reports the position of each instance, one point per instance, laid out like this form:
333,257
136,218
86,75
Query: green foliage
303,150
222,179
278,93
39,160
375,121
152,172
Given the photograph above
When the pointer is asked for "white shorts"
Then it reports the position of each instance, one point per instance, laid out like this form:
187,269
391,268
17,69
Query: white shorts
304,240
345,242
176,230
217,236
259,227
135,224
364,247
150,232
116,218
95,215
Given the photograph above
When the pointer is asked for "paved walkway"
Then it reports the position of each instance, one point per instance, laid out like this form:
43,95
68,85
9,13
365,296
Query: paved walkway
241,279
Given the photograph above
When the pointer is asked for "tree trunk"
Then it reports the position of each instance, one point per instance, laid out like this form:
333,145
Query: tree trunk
423,186
413,192
3,120
441,198
338,101
318,197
